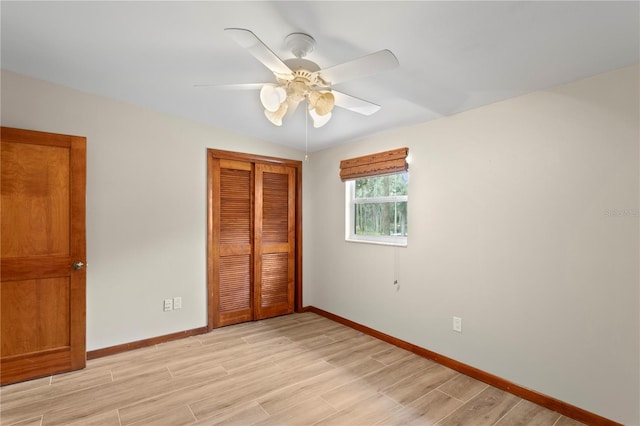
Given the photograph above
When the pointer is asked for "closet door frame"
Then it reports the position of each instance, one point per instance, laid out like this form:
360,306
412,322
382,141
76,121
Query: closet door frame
213,154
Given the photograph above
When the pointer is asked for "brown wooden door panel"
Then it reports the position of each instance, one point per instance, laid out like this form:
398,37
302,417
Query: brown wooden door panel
232,199
274,243
234,296
275,285
35,267
28,324
16,369
42,297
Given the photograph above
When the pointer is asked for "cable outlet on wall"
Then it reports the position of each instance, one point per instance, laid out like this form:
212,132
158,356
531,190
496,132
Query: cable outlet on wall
457,324
168,305
177,303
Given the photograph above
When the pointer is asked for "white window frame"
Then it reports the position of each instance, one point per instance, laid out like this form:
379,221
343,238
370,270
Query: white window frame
351,201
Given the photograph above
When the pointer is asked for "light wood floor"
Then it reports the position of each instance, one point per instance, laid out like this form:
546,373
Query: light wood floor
299,369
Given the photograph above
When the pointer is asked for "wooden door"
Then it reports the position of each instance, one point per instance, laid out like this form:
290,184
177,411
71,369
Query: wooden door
254,237
42,236
274,243
232,268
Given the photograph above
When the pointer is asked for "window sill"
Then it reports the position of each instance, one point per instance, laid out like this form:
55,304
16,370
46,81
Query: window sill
379,243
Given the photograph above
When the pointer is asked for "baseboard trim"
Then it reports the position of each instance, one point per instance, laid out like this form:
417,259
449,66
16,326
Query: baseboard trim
546,401
112,350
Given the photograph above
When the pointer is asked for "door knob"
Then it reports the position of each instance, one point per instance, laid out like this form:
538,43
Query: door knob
78,265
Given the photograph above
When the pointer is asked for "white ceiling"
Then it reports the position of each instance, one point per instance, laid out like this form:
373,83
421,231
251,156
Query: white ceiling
454,56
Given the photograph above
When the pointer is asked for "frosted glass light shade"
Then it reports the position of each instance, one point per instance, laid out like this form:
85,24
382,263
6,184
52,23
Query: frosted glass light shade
319,120
275,117
322,102
272,96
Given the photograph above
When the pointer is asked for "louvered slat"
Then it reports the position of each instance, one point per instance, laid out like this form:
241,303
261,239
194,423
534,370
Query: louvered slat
275,208
235,206
275,278
235,279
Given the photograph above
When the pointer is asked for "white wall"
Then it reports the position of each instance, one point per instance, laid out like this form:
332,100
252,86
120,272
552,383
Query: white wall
524,221
146,204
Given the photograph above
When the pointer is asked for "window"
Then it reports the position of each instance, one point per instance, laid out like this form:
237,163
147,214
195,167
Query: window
377,209
377,197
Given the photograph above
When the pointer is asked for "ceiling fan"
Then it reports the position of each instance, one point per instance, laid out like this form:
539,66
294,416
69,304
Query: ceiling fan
299,79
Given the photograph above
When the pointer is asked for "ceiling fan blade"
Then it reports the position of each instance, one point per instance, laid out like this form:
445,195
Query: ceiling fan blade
246,86
259,50
355,104
370,64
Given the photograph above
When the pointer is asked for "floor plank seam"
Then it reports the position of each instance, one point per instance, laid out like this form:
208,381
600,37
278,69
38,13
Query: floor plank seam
451,378
323,419
451,396
195,419
508,411
478,393
263,410
439,422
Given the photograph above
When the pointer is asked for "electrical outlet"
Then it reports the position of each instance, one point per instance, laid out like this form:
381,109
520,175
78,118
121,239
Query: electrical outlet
168,305
457,324
177,303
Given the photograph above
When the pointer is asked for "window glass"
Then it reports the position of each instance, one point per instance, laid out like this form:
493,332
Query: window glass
377,209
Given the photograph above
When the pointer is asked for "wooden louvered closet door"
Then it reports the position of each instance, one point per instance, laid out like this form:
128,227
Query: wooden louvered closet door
274,241
232,241
252,239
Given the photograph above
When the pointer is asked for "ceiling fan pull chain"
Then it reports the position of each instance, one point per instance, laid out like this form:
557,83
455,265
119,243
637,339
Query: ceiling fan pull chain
306,135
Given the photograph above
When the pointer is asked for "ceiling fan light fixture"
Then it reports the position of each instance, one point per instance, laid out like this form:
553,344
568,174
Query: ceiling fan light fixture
319,120
272,97
275,117
301,80
322,102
